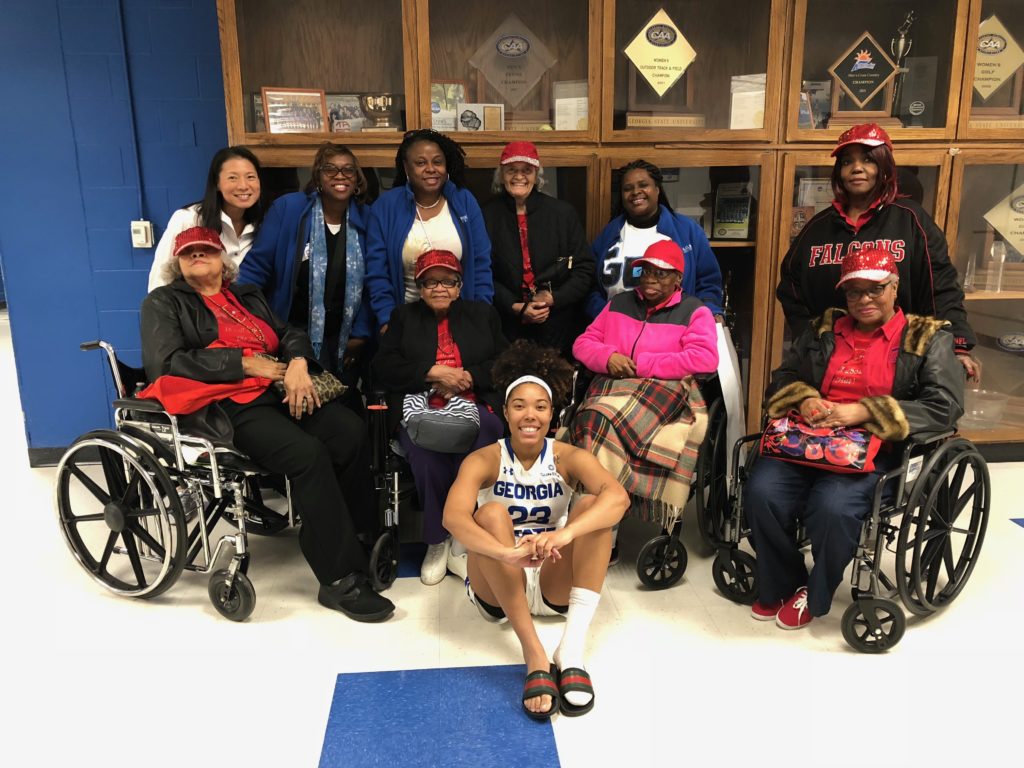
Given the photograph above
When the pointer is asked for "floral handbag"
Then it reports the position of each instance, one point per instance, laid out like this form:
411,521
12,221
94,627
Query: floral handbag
837,449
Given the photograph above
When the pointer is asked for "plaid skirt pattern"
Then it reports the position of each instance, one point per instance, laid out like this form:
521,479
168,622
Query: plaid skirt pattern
647,434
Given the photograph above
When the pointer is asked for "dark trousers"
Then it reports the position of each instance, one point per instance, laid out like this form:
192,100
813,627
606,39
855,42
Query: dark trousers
325,456
435,472
831,506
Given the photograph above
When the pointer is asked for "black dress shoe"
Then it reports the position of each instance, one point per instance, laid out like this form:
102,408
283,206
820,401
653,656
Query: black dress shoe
354,597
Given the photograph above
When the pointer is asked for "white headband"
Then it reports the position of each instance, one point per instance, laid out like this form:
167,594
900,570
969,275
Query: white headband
528,380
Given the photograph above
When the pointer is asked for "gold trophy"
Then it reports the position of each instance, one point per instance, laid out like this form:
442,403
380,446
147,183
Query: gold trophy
380,107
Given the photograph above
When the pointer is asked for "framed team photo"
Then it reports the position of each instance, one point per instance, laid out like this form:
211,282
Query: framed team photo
295,110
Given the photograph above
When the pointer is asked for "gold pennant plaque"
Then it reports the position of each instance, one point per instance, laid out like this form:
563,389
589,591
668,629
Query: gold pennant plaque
660,52
998,58
1007,218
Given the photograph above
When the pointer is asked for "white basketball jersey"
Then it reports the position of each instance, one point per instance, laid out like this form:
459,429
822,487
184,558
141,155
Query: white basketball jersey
537,498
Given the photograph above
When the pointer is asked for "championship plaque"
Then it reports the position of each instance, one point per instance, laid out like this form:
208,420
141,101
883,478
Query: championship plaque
998,71
1007,218
863,82
659,94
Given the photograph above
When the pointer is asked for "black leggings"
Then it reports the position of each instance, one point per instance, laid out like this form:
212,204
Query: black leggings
325,457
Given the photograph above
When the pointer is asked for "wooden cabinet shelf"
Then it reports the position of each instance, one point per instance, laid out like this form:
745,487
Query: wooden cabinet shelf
349,49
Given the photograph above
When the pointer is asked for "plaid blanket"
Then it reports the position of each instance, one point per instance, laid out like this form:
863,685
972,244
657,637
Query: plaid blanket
647,433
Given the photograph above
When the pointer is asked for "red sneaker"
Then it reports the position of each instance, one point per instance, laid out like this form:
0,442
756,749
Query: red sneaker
765,612
794,614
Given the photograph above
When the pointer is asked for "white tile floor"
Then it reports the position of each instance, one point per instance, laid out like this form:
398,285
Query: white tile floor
683,676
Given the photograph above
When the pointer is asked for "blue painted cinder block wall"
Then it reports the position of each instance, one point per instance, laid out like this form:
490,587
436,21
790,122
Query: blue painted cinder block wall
70,187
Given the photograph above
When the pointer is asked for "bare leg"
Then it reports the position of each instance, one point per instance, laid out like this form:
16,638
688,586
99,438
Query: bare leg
504,585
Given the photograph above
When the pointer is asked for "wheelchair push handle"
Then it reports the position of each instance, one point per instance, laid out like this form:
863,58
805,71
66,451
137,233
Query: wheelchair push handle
89,346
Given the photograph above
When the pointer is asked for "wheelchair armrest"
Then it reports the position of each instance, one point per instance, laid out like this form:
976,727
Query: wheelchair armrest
143,406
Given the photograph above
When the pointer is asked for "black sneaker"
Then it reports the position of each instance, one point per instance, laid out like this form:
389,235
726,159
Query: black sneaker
354,597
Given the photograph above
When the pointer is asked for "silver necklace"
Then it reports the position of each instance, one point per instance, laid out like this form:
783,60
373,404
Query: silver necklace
432,205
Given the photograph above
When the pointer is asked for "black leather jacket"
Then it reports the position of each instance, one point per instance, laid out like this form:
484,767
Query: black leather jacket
927,389
177,327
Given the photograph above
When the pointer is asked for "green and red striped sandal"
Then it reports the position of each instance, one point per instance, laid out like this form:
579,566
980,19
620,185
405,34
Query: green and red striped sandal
541,683
575,679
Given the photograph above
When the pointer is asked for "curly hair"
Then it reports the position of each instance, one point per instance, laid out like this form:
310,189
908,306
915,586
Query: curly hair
454,155
655,173
328,151
524,358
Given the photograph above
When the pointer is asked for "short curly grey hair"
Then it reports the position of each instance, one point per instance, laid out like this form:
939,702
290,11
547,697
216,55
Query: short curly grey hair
498,185
172,269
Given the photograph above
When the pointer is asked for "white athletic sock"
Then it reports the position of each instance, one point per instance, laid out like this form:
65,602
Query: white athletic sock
582,606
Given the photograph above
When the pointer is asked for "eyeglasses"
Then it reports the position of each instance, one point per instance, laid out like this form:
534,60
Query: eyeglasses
447,282
330,171
657,274
852,294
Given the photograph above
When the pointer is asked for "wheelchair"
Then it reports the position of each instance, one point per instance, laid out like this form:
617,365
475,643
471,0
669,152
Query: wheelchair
933,524
150,511
662,560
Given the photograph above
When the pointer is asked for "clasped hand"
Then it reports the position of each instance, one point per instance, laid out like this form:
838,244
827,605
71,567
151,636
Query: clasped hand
819,412
299,393
449,381
532,550
621,367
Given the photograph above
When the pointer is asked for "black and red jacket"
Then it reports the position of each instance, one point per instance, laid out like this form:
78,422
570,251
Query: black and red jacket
928,280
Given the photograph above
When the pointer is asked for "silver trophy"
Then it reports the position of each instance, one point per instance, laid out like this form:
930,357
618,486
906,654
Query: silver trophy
380,107
899,47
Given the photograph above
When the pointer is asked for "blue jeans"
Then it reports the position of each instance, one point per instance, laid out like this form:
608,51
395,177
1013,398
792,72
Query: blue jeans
832,507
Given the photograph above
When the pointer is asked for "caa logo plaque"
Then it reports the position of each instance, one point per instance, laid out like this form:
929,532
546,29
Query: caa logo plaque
512,46
991,44
1017,204
661,35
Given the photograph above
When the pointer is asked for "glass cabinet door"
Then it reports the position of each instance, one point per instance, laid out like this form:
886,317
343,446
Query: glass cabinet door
993,89
300,71
986,224
892,62
725,193
499,68
922,175
678,70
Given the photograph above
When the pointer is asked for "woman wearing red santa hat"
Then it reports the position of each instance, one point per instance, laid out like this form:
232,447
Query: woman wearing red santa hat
870,366
868,211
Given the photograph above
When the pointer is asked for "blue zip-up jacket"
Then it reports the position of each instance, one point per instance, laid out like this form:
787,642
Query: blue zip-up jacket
701,276
277,252
387,228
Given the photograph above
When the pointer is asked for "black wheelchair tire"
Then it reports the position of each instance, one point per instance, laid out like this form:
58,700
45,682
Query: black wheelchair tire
735,574
661,562
873,625
235,602
711,493
384,561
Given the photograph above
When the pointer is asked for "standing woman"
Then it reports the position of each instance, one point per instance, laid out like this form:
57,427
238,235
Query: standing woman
428,209
646,218
230,206
868,212
543,268
308,259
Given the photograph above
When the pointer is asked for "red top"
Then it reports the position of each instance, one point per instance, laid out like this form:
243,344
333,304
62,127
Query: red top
862,364
529,285
864,218
447,354
237,328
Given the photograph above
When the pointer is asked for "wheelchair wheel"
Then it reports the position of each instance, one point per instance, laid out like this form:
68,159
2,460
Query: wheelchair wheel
661,562
943,527
873,625
122,519
235,602
384,561
735,576
711,490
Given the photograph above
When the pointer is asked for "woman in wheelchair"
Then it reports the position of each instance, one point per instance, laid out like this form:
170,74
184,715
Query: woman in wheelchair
874,367
643,416
529,553
206,346
444,346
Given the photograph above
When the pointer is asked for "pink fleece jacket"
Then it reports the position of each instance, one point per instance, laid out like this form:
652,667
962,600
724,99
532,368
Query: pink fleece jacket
675,340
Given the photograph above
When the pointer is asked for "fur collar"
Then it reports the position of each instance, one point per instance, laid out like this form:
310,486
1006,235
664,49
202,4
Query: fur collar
916,336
